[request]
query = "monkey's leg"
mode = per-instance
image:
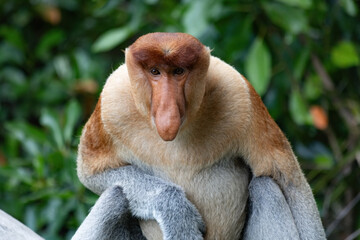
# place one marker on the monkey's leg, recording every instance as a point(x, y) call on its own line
point(304, 210)
point(150, 197)
point(269, 213)
point(110, 218)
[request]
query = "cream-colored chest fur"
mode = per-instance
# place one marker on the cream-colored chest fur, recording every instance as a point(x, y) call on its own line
point(219, 193)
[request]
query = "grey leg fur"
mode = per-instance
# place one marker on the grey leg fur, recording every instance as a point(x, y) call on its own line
point(110, 218)
point(305, 212)
point(269, 213)
point(148, 197)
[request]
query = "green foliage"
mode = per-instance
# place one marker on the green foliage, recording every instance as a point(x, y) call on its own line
point(298, 109)
point(259, 58)
point(344, 55)
point(302, 56)
point(111, 38)
point(291, 19)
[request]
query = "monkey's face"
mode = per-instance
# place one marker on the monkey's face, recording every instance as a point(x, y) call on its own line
point(172, 67)
point(168, 99)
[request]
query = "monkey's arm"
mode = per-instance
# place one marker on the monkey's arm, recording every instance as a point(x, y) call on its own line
point(270, 154)
point(148, 197)
point(269, 213)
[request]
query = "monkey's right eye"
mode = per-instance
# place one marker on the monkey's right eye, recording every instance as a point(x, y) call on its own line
point(154, 71)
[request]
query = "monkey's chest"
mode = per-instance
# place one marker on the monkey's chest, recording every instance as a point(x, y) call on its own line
point(220, 194)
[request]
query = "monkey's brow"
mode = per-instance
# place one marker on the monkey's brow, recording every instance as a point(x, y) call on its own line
point(166, 51)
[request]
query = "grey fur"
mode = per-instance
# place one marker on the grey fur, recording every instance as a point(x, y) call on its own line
point(304, 210)
point(146, 197)
point(274, 215)
point(269, 214)
point(110, 218)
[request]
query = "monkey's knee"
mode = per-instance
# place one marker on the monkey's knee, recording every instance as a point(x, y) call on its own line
point(113, 203)
point(269, 213)
point(267, 199)
point(265, 188)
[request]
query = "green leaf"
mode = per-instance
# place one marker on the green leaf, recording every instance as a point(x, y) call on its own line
point(237, 42)
point(323, 161)
point(107, 8)
point(349, 7)
point(63, 67)
point(13, 36)
point(111, 38)
point(258, 66)
point(313, 87)
point(84, 64)
point(299, 109)
point(290, 19)
point(195, 18)
point(39, 166)
point(72, 115)
point(151, 2)
point(29, 136)
point(305, 4)
point(300, 63)
point(273, 102)
point(59, 210)
point(14, 83)
point(51, 39)
point(11, 54)
point(51, 120)
point(344, 55)
point(30, 217)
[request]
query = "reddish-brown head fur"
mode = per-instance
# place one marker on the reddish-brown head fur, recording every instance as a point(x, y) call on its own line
point(167, 72)
point(173, 49)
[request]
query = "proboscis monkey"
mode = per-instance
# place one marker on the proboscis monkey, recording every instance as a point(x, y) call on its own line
point(171, 145)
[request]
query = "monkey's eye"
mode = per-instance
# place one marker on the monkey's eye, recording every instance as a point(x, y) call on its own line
point(179, 71)
point(154, 71)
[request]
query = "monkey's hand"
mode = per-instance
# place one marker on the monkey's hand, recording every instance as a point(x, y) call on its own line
point(150, 197)
point(177, 216)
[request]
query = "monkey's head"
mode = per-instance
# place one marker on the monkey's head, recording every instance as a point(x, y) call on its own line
point(168, 75)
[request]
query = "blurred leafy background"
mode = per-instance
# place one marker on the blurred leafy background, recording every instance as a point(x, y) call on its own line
point(302, 56)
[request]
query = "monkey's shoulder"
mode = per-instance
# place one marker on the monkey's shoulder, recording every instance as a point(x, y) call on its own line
point(117, 104)
point(227, 98)
point(116, 91)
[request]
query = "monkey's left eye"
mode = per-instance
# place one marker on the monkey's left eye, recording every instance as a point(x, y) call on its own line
point(179, 71)
point(154, 71)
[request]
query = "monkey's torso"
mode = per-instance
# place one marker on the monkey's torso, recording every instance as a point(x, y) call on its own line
point(219, 193)
point(215, 182)
point(188, 118)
